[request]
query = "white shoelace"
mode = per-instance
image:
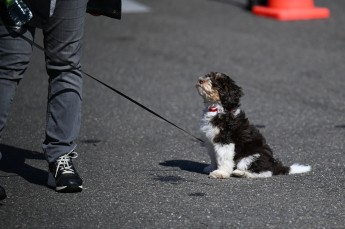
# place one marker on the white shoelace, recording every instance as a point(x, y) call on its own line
point(63, 163)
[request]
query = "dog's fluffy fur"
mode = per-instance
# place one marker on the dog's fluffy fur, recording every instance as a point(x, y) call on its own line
point(235, 146)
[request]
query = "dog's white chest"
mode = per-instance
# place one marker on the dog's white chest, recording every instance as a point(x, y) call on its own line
point(206, 126)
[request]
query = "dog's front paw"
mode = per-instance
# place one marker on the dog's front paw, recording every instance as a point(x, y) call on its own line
point(208, 169)
point(219, 174)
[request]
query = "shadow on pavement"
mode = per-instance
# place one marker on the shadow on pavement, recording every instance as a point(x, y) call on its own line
point(190, 166)
point(13, 161)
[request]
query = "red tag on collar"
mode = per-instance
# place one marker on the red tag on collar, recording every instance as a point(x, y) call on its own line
point(213, 109)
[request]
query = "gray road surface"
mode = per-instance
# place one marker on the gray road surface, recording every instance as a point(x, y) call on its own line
point(140, 172)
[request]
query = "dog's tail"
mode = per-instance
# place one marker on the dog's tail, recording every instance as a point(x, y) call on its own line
point(297, 168)
point(280, 169)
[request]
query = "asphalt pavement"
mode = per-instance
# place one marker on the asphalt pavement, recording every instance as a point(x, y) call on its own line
point(140, 172)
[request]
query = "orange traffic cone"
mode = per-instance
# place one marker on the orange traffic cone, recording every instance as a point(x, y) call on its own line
point(285, 10)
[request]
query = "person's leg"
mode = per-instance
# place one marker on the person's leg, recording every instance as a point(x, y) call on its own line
point(63, 37)
point(15, 55)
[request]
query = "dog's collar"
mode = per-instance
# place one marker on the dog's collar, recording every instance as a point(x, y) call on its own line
point(215, 108)
point(212, 108)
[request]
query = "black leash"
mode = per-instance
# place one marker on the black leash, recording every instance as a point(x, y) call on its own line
point(106, 85)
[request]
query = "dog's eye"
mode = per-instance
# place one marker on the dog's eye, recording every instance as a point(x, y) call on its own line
point(201, 81)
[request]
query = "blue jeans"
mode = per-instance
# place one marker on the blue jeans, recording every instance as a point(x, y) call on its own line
point(63, 35)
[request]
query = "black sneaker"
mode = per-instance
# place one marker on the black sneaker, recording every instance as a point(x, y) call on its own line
point(2, 193)
point(63, 176)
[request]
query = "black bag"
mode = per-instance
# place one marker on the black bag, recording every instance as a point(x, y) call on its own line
point(109, 8)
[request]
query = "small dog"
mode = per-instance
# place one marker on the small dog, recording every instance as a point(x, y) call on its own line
point(235, 146)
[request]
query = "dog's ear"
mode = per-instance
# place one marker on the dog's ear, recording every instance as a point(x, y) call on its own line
point(229, 92)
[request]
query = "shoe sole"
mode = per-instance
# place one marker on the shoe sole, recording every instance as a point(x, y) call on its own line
point(69, 189)
point(64, 189)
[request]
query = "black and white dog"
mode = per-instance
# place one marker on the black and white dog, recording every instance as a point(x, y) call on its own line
point(235, 146)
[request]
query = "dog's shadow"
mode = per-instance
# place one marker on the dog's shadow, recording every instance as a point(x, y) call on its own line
point(13, 161)
point(190, 166)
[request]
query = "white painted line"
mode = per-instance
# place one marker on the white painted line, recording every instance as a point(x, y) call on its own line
point(132, 6)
